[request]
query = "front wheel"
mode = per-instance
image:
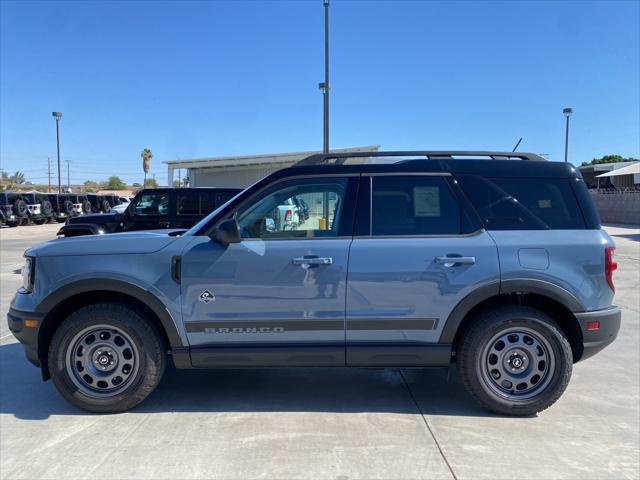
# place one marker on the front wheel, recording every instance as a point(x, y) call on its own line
point(106, 358)
point(515, 360)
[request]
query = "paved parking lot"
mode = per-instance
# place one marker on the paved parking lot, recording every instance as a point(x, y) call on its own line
point(324, 423)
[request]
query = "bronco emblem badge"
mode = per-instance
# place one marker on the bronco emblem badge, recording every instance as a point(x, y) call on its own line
point(207, 297)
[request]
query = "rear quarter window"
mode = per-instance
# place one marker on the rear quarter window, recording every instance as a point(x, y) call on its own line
point(524, 203)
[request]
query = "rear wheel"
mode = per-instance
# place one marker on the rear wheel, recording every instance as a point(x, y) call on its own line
point(106, 358)
point(515, 360)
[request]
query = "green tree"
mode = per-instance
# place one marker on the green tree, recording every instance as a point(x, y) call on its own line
point(91, 186)
point(114, 183)
point(151, 183)
point(609, 159)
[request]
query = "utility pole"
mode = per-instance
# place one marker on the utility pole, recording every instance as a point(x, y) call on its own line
point(68, 181)
point(58, 116)
point(49, 173)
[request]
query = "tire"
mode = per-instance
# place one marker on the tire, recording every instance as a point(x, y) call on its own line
point(68, 207)
point(502, 376)
point(86, 207)
point(105, 206)
point(47, 208)
point(20, 208)
point(73, 356)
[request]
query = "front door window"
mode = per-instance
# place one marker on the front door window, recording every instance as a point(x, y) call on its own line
point(295, 209)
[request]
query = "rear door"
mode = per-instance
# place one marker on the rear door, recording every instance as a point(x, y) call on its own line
point(413, 260)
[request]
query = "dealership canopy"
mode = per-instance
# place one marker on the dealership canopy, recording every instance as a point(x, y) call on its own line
point(632, 169)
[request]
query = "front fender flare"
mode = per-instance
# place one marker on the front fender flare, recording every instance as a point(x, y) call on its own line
point(117, 286)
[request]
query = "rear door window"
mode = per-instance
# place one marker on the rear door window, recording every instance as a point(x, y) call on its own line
point(523, 203)
point(414, 205)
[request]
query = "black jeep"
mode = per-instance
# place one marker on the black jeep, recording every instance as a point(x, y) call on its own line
point(99, 203)
point(153, 208)
point(14, 209)
point(62, 207)
point(39, 207)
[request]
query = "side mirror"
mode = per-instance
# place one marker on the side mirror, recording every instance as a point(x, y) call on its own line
point(227, 231)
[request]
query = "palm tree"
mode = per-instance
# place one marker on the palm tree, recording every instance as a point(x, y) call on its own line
point(146, 163)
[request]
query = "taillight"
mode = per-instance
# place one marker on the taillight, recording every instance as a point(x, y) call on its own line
point(287, 216)
point(609, 266)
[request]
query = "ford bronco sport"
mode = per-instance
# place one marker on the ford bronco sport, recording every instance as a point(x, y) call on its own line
point(495, 261)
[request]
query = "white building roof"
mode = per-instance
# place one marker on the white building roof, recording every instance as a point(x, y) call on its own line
point(256, 160)
point(632, 169)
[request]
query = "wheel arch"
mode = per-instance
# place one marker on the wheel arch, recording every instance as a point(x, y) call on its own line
point(71, 297)
point(544, 296)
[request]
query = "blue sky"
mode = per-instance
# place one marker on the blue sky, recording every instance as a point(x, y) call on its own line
point(193, 79)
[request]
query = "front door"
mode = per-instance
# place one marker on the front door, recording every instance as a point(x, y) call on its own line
point(149, 211)
point(278, 296)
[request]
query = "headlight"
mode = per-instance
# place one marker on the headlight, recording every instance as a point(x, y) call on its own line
point(28, 271)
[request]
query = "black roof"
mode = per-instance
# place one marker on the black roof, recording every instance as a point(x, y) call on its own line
point(496, 164)
point(189, 189)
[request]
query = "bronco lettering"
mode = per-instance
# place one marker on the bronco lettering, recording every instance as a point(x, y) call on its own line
point(220, 330)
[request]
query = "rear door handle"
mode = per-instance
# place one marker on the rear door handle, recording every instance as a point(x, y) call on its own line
point(312, 261)
point(452, 260)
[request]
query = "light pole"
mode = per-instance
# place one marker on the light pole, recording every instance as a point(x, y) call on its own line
point(567, 113)
point(58, 116)
point(324, 86)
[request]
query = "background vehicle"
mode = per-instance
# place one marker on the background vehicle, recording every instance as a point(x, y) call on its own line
point(99, 203)
point(151, 209)
point(14, 208)
point(81, 205)
point(498, 265)
point(61, 206)
point(40, 208)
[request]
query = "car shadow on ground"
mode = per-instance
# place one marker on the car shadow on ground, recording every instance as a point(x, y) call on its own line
point(629, 236)
point(407, 391)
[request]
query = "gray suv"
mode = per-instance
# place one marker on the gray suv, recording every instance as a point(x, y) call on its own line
point(494, 261)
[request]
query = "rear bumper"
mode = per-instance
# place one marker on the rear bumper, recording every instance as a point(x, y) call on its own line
point(596, 340)
point(28, 336)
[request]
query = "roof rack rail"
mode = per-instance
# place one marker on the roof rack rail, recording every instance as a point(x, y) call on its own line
point(340, 158)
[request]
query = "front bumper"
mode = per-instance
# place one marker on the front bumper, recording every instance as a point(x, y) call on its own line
point(27, 335)
point(596, 340)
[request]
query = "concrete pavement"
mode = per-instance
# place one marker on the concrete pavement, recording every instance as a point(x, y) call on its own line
point(324, 423)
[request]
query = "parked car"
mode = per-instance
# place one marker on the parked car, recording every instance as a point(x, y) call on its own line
point(153, 208)
point(62, 207)
point(285, 215)
point(39, 207)
point(303, 209)
point(99, 203)
point(14, 209)
point(493, 260)
point(81, 205)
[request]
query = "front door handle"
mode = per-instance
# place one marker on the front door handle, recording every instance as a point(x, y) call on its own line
point(312, 260)
point(453, 260)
